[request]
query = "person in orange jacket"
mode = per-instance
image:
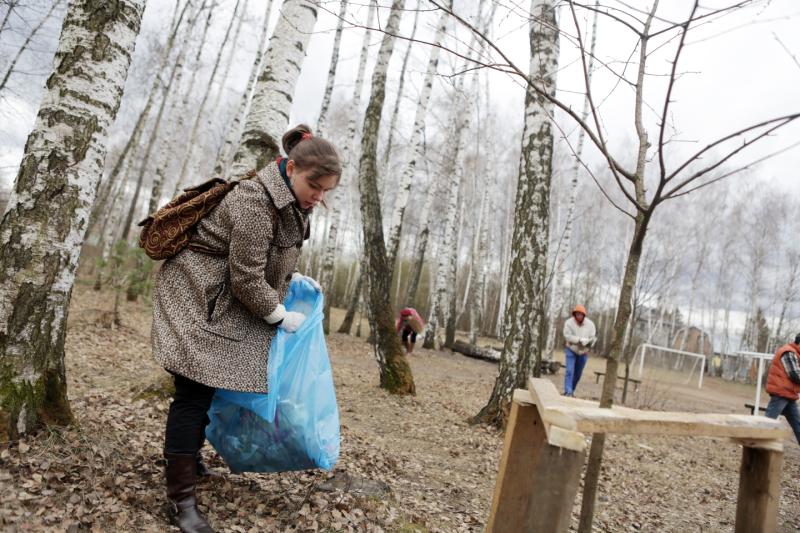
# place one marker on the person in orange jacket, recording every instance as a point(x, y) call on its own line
point(783, 385)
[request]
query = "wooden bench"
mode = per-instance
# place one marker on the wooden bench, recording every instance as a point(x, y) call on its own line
point(752, 408)
point(636, 382)
point(545, 445)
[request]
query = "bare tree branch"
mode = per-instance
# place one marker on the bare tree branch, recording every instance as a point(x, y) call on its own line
point(672, 79)
point(778, 123)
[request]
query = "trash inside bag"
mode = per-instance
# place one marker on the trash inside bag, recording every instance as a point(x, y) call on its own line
point(296, 425)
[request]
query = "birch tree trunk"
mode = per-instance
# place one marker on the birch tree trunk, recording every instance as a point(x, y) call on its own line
point(395, 374)
point(400, 84)
point(155, 191)
point(133, 140)
point(234, 130)
point(440, 300)
point(200, 112)
point(352, 307)
point(414, 151)
point(479, 271)
point(418, 261)
point(43, 228)
point(162, 156)
point(790, 290)
point(184, 110)
point(347, 167)
point(557, 300)
point(231, 54)
point(326, 97)
point(525, 314)
point(269, 112)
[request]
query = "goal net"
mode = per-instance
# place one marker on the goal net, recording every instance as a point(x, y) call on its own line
point(669, 365)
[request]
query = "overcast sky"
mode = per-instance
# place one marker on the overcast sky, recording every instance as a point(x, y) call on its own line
point(735, 70)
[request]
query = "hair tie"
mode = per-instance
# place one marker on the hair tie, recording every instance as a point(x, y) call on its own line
point(305, 136)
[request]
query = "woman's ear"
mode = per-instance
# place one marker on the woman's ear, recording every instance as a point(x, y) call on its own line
point(290, 167)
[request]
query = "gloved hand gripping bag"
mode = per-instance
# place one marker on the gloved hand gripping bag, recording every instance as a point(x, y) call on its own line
point(295, 426)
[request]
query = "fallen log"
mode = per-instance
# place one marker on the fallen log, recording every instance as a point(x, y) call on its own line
point(470, 350)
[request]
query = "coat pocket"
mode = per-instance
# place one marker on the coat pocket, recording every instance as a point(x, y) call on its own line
point(226, 317)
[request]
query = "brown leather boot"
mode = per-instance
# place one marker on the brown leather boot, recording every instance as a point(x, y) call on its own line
point(181, 482)
point(204, 473)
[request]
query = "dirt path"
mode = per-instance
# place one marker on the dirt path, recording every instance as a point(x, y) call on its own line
point(104, 474)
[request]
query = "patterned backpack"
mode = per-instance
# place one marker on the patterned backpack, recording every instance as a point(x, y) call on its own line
point(168, 230)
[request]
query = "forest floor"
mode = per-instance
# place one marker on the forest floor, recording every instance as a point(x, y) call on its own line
point(407, 463)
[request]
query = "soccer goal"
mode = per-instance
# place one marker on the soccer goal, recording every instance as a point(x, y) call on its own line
point(762, 358)
point(669, 364)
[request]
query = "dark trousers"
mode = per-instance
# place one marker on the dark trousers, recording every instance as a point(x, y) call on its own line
point(188, 417)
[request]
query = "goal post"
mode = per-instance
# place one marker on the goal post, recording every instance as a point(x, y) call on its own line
point(761, 358)
point(670, 359)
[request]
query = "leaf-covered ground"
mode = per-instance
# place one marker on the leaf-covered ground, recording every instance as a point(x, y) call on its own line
point(407, 463)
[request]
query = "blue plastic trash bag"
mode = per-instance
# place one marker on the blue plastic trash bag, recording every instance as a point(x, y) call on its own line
point(296, 425)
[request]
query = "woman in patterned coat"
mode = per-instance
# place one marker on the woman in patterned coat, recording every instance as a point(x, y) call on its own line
point(216, 312)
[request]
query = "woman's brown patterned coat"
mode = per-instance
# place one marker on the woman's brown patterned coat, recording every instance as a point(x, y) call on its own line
point(208, 313)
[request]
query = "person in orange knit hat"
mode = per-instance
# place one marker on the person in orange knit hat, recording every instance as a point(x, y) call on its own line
point(783, 385)
point(579, 335)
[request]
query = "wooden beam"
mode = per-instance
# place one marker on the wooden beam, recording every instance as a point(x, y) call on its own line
point(560, 437)
point(537, 482)
point(759, 490)
point(587, 417)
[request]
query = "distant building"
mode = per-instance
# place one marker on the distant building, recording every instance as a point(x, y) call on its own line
point(693, 339)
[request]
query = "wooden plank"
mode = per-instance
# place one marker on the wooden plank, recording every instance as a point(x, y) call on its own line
point(759, 490)
point(635, 422)
point(537, 482)
point(769, 444)
point(560, 437)
point(587, 417)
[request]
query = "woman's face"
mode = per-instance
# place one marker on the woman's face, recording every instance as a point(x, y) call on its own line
point(308, 192)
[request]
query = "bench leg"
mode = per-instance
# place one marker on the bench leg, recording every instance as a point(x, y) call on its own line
point(537, 482)
point(759, 490)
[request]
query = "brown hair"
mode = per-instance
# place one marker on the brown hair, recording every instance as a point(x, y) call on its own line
point(311, 153)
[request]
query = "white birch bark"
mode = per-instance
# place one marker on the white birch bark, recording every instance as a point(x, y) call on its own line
point(184, 110)
point(269, 112)
point(557, 299)
point(348, 166)
point(334, 64)
point(163, 155)
point(414, 151)
point(155, 191)
point(441, 291)
point(234, 130)
point(400, 84)
point(525, 314)
point(43, 228)
point(199, 113)
point(229, 59)
point(132, 143)
point(479, 291)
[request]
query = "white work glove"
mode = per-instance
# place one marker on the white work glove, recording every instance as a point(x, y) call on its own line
point(583, 341)
point(297, 276)
point(292, 321)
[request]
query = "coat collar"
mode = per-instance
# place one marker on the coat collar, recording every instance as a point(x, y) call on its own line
point(270, 177)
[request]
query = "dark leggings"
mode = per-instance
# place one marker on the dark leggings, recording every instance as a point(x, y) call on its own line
point(188, 417)
point(407, 332)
